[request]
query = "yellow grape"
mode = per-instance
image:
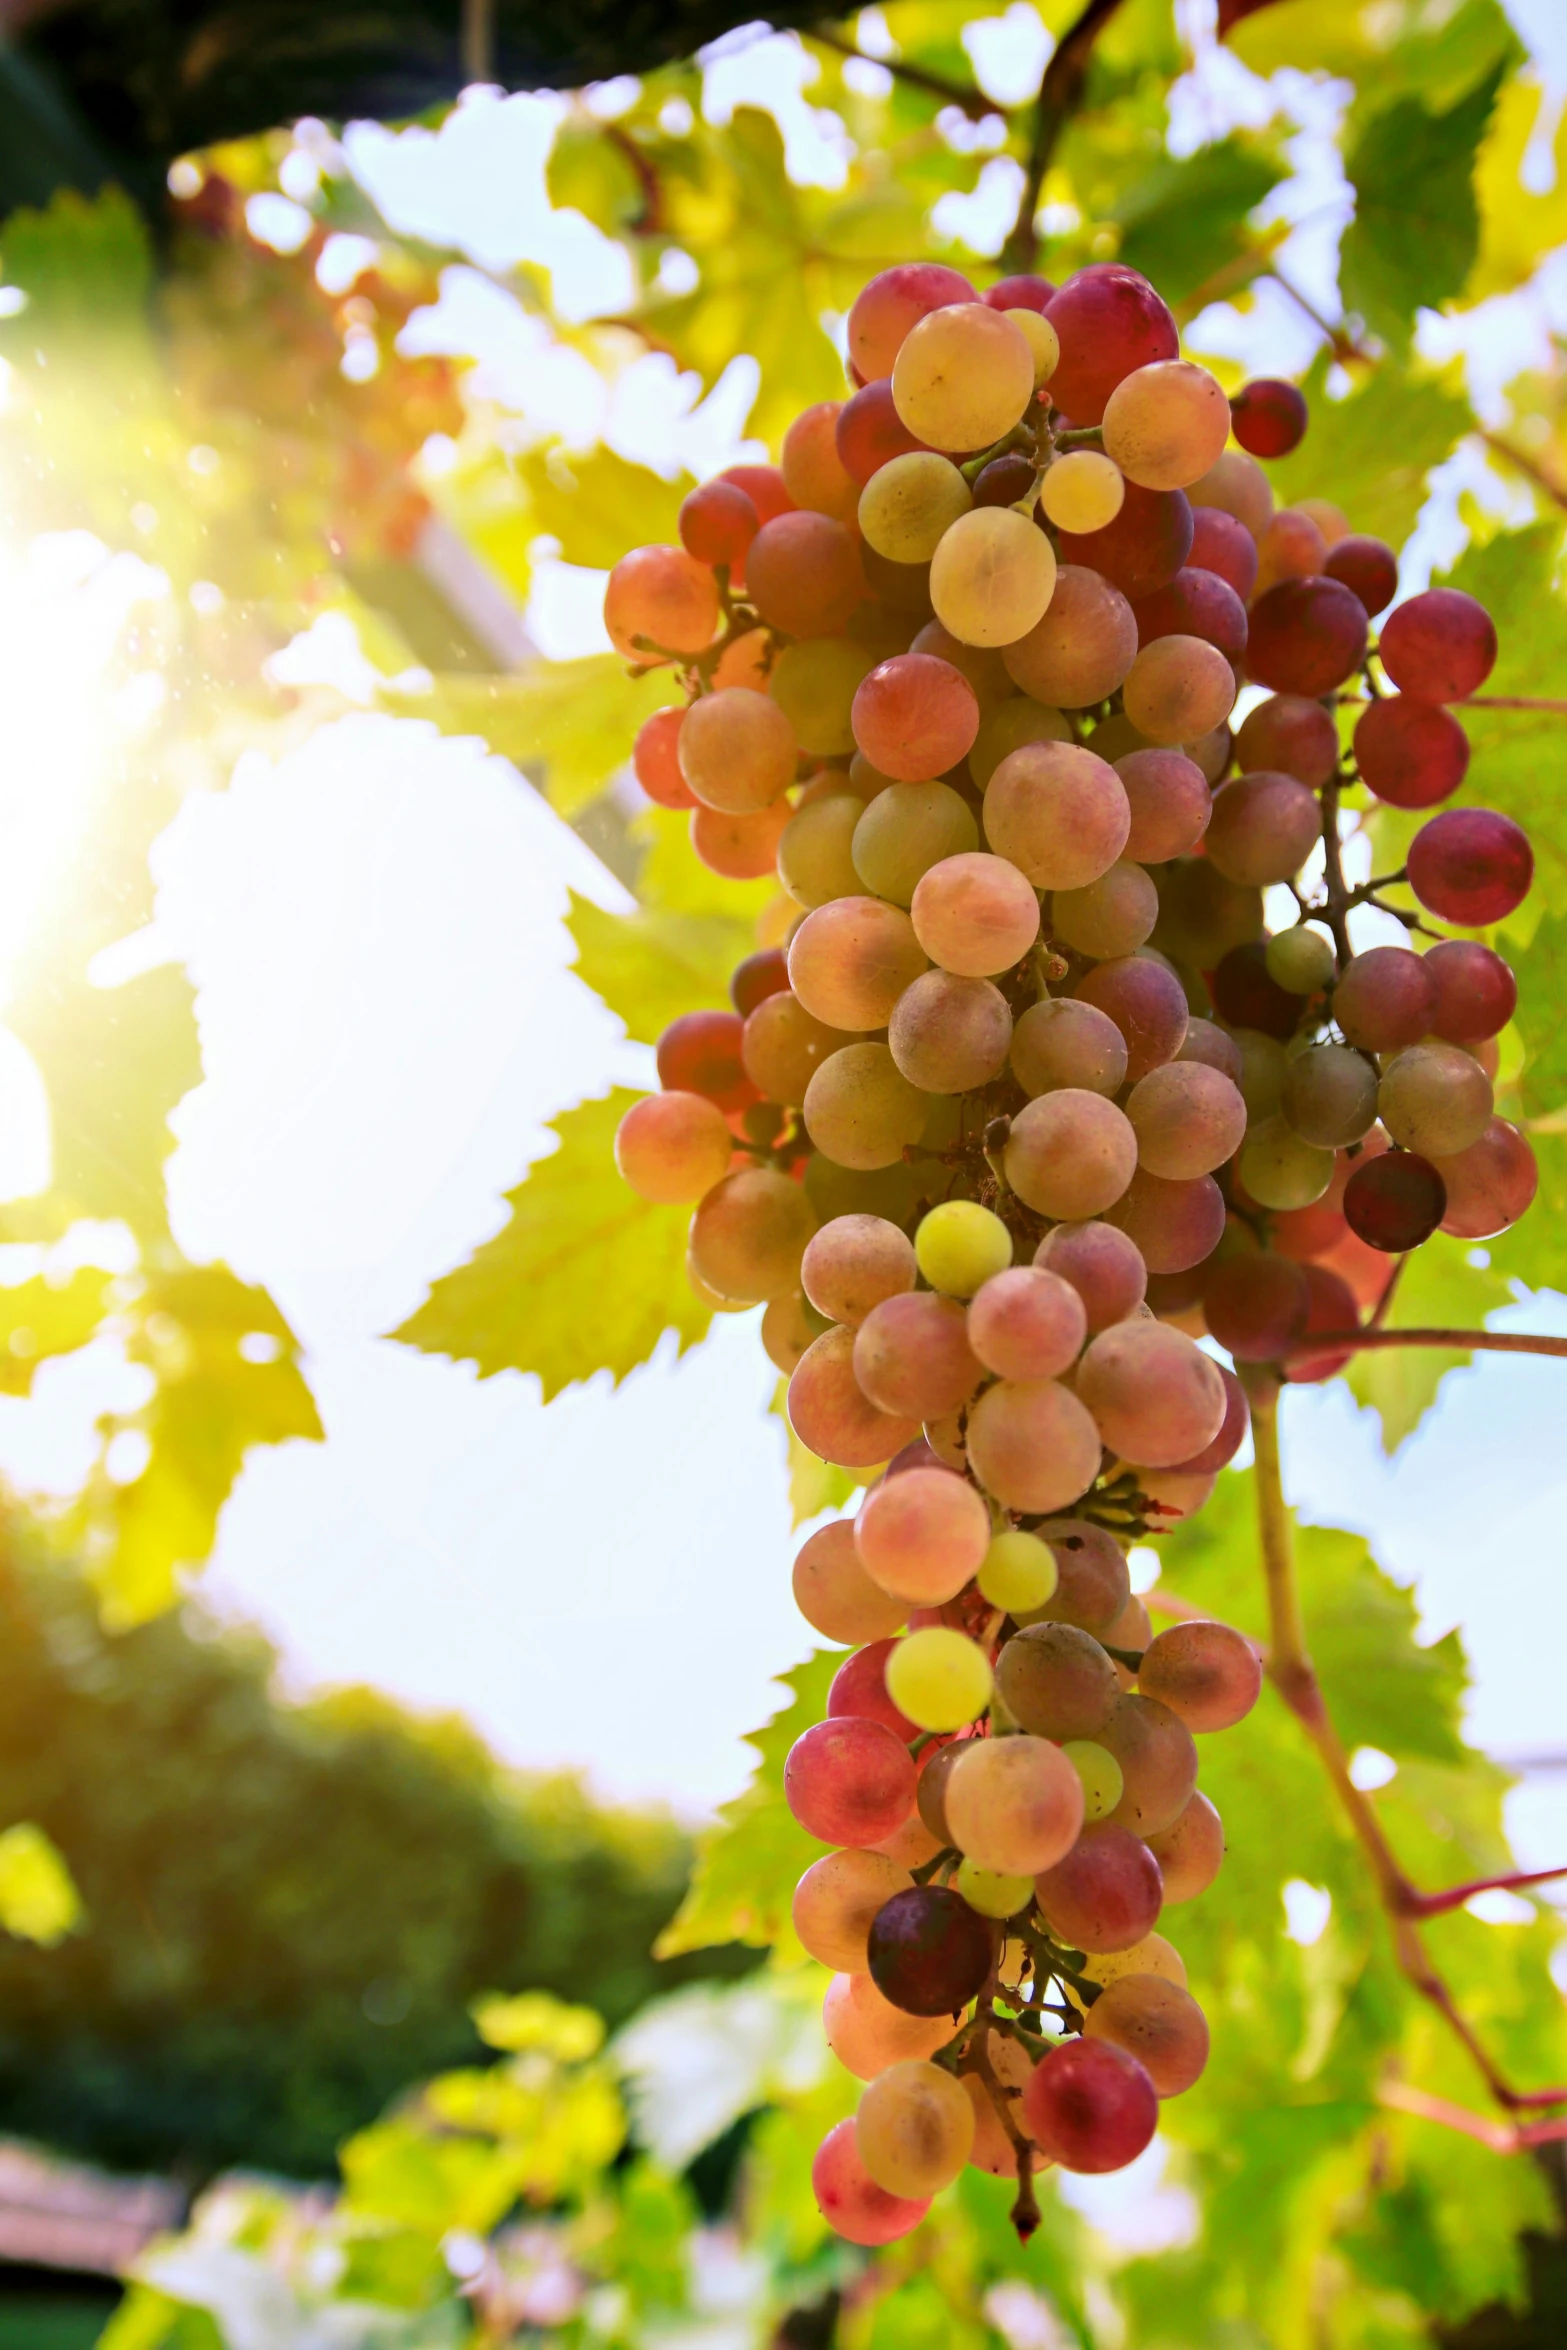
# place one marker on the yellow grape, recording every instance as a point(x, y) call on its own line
point(992, 1895)
point(1108, 917)
point(1042, 340)
point(939, 1678)
point(1099, 1772)
point(963, 377)
point(1014, 1805)
point(814, 684)
point(1152, 1956)
point(1018, 1571)
point(1178, 688)
point(905, 830)
point(816, 853)
point(860, 1110)
point(959, 1245)
point(914, 2129)
point(1082, 491)
point(1018, 721)
point(1166, 424)
point(993, 575)
point(910, 503)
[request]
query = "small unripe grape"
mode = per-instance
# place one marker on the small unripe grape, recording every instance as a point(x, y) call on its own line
point(1301, 960)
point(1435, 1099)
point(835, 1901)
point(1014, 1805)
point(963, 377)
point(1032, 1444)
point(960, 1246)
point(1329, 1096)
point(1008, 727)
point(1178, 688)
point(1041, 339)
point(1166, 424)
point(939, 1678)
point(907, 829)
point(1100, 1774)
point(906, 508)
point(992, 1895)
point(1111, 916)
point(1062, 1042)
point(1282, 1170)
point(992, 577)
point(1018, 1571)
point(673, 1147)
point(1082, 491)
point(915, 2129)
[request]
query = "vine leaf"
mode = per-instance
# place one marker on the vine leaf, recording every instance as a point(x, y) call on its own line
point(1440, 1288)
point(1416, 230)
point(583, 1276)
point(1371, 451)
point(650, 967)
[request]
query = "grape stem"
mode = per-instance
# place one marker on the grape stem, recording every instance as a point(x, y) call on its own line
point(1501, 2137)
point(1292, 1673)
point(966, 95)
point(1059, 94)
point(1024, 2214)
point(1501, 1342)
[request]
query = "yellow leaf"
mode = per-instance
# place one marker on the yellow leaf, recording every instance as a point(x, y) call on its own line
point(1517, 228)
point(38, 1897)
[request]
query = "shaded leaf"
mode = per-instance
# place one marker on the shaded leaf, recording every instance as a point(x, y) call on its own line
point(1371, 452)
point(584, 1276)
point(1416, 230)
point(1185, 223)
point(1542, 991)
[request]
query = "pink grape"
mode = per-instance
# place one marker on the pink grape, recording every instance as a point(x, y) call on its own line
point(1110, 321)
point(835, 1594)
point(1214, 1047)
point(1090, 2106)
point(1170, 802)
point(850, 960)
point(1174, 1225)
point(1255, 1305)
point(1368, 568)
point(853, 1263)
point(831, 1416)
point(764, 485)
point(1188, 1119)
point(1269, 417)
point(655, 760)
point(1013, 1805)
point(1155, 1397)
point(867, 2033)
point(1102, 1264)
point(1231, 1436)
point(1490, 1184)
point(813, 471)
point(1022, 292)
point(1440, 645)
point(912, 1356)
point(922, 1535)
point(870, 432)
point(749, 1234)
point(1058, 813)
point(1190, 1851)
point(1470, 865)
point(1196, 603)
point(803, 574)
point(1262, 829)
point(1158, 2023)
point(849, 1781)
point(915, 716)
point(1061, 1042)
point(974, 914)
point(673, 1147)
point(1411, 753)
point(660, 596)
point(1032, 1444)
point(1105, 1895)
point(1206, 1673)
point(948, 1034)
point(1027, 1323)
point(1093, 1586)
point(1143, 548)
point(701, 1053)
point(1081, 647)
point(849, 2199)
point(1146, 1002)
point(893, 302)
point(1070, 1154)
point(1385, 999)
point(1222, 544)
point(1292, 733)
point(1158, 1762)
point(1331, 1307)
point(718, 523)
point(1475, 994)
point(1306, 636)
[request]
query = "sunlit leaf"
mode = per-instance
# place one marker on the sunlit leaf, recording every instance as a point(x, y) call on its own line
point(652, 966)
point(570, 722)
point(1439, 1288)
point(38, 1897)
point(1370, 452)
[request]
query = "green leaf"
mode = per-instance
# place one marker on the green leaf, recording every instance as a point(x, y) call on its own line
point(85, 264)
point(38, 1897)
point(599, 505)
point(212, 1402)
point(115, 1062)
point(584, 1276)
point(1438, 1289)
point(1416, 230)
point(1185, 223)
point(814, 1485)
point(1542, 991)
point(590, 171)
point(42, 1317)
point(537, 2020)
point(1371, 451)
point(747, 1866)
point(572, 723)
point(650, 967)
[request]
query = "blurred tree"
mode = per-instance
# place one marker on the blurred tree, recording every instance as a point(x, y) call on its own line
point(287, 1907)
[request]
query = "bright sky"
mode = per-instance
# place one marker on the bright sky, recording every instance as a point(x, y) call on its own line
point(389, 1020)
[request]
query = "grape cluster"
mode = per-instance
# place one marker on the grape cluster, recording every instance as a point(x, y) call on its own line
point(1019, 1099)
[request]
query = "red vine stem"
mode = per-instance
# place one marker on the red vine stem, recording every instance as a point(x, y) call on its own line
point(1059, 93)
point(1497, 1342)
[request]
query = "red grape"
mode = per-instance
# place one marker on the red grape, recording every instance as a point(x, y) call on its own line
point(1206, 1673)
point(1291, 733)
point(851, 2203)
point(1223, 545)
point(803, 574)
point(1023, 292)
point(1105, 1895)
point(859, 1690)
point(915, 716)
point(1110, 321)
point(912, 1356)
point(700, 1053)
point(1384, 999)
point(1170, 802)
point(1148, 1005)
point(1231, 1436)
point(1441, 645)
point(1246, 994)
point(756, 978)
point(1263, 828)
point(718, 523)
point(929, 1952)
point(1306, 636)
point(1475, 993)
point(1196, 603)
point(849, 1781)
point(1255, 1304)
point(1394, 1202)
point(1490, 1184)
point(1143, 548)
point(764, 485)
point(1175, 1224)
point(1090, 2106)
point(655, 760)
point(1103, 1266)
point(1368, 568)
point(1005, 481)
point(1269, 417)
point(830, 1414)
point(870, 431)
point(893, 303)
point(1471, 865)
point(1410, 753)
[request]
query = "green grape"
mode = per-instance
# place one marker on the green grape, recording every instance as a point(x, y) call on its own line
point(1279, 1169)
point(1017, 721)
point(814, 684)
point(939, 1678)
point(959, 1245)
point(1042, 340)
point(1264, 1067)
point(1100, 1773)
point(908, 505)
point(992, 577)
point(1301, 960)
point(861, 1110)
point(1108, 917)
point(1018, 1571)
point(904, 831)
point(816, 852)
point(992, 1895)
point(1330, 1095)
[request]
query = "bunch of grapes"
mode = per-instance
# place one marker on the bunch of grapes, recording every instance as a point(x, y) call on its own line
point(1019, 1099)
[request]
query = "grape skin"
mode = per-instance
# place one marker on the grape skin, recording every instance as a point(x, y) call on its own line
point(921, 1536)
point(1092, 1586)
point(1292, 733)
point(1190, 1852)
point(816, 850)
point(852, 1263)
point(850, 2200)
point(1206, 1673)
point(1435, 1098)
point(1170, 803)
point(830, 1414)
point(974, 914)
point(835, 1594)
point(914, 2129)
point(1178, 688)
point(1014, 1805)
point(1007, 728)
point(1105, 1894)
point(1032, 1444)
point(1166, 424)
point(835, 1901)
point(1157, 2022)
point(860, 1108)
point(1155, 1397)
point(1148, 1005)
point(963, 376)
point(1091, 2106)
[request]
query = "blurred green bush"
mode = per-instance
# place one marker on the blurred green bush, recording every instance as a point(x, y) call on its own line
point(288, 1906)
